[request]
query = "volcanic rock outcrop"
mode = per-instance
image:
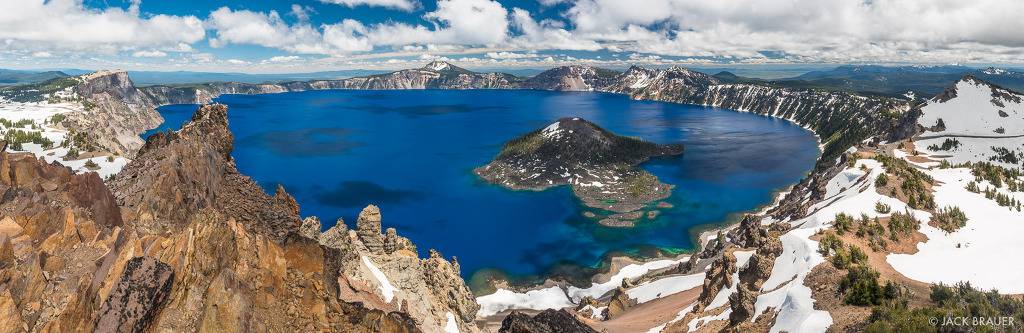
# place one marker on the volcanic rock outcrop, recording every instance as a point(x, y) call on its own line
point(599, 165)
point(548, 321)
point(186, 243)
point(115, 112)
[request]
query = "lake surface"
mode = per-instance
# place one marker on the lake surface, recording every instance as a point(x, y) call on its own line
point(412, 153)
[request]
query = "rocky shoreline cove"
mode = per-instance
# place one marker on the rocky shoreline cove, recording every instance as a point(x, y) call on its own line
point(601, 168)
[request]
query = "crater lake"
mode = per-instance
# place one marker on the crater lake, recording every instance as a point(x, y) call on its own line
point(412, 152)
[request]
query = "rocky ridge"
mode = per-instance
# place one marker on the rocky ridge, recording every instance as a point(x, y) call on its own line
point(116, 111)
point(599, 165)
point(203, 248)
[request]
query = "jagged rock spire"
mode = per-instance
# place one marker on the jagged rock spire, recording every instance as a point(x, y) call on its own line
point(368, 229)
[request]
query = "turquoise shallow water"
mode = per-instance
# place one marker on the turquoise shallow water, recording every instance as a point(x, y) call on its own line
point(412, 153)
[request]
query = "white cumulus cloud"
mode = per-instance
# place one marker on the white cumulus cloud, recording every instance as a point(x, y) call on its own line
point(149, 54)
point(68, 24)
point(406, 5)
point(284, 59)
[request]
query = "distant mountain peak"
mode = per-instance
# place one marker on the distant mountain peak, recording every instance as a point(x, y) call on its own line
point(439, 65)
point(999, 96)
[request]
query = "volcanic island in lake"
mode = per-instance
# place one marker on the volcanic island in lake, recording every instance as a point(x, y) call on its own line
point(600, 166)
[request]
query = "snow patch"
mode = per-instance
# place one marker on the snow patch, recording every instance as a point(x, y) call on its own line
point(663, 287)
point(980, 252)
point(451, 326)
point(630, 271)
point(556, 298)
point(541, 299)
point(386, 289)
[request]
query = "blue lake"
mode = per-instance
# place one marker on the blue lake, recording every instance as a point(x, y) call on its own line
point(412, 153)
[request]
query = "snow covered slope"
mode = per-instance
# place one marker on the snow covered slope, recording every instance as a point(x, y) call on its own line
point(974, 121)
point(972, 107)
point(41, 117)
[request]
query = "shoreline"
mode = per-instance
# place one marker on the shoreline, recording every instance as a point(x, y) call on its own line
point(613, 266)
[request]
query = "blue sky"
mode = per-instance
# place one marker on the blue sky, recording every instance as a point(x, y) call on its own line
point(263, 36)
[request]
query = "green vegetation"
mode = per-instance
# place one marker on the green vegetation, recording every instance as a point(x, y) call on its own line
point(947, 145)
point(843, 223)
point(829, 243)
point(950, 219)
point(902, 224)
point(16, 124)
point(1006, 156)
point(861, 288)
point(973, 187)
point(873, 230)
point(16, 138)
point(996, 175)
point(639, 185)
point(1002, 199)
point(841, 255)
point(959, 300)
point(39, 92)
point(860, 285)
point(57, 118)
point(913, 182)
point(882, 208)
point(845, 258)
point(944, 164)
point(80, 140)
point(522, 145)
point(882, 180)
point(89, 164)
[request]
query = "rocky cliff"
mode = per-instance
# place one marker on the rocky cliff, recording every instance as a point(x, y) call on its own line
point(435, 75)
point(181, 241)
point(571, 78)
point(114, 113)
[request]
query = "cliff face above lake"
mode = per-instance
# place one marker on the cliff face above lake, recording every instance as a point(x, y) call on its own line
point(599, 165)
point(181, 241)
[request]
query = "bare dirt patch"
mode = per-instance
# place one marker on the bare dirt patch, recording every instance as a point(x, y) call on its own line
point(824, 283)
point(648, 315)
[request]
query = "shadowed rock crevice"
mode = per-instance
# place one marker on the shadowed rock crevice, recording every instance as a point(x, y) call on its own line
point(141, 292)
point(548, 321)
